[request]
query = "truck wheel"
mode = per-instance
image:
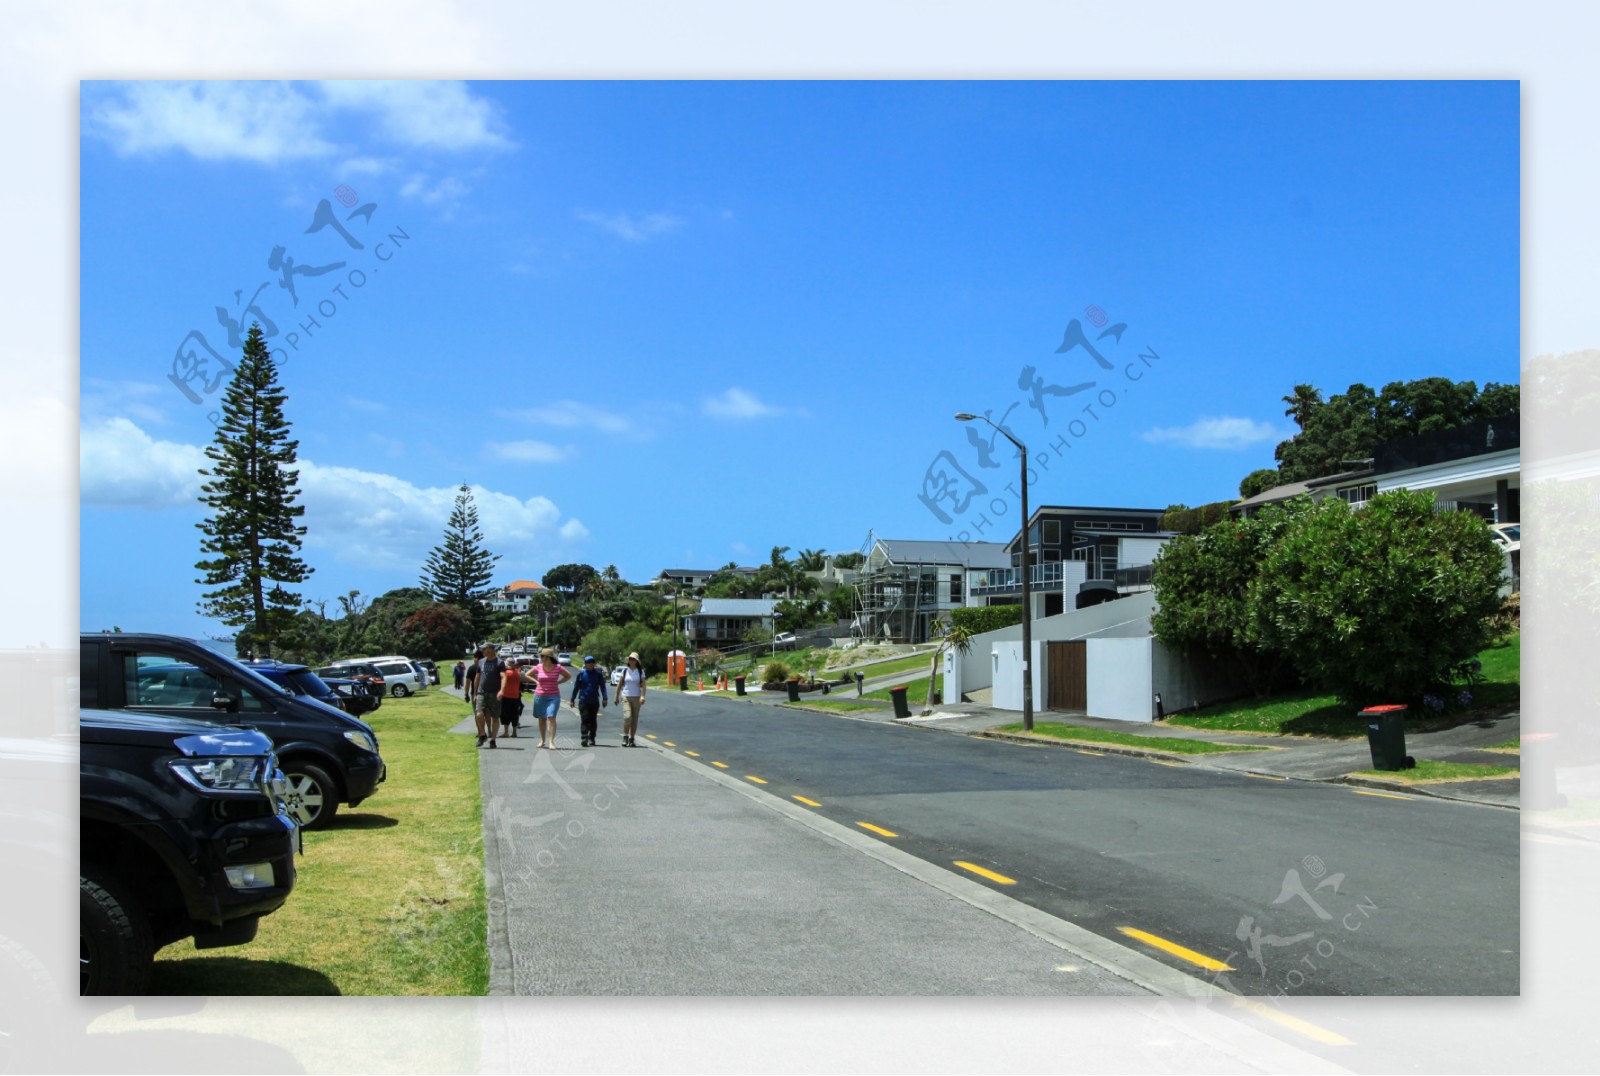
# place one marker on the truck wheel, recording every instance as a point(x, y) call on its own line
point(313, 797)
point(400, 691)
point(115, 950)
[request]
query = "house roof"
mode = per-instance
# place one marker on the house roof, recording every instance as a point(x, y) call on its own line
point(689, 571)
point(966, 554)
point(754, 607)
point(524, 584)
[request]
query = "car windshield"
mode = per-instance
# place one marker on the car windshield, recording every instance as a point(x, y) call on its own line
point(1512, 531)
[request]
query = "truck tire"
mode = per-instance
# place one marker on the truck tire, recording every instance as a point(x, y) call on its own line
point(313, 795)
point(115, 950)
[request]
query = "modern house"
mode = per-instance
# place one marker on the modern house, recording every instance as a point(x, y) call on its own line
point(905, 586)
point(695, 578)
point(513, 597)
point(1355, 487)
point(1075, 556)
point(722, 622)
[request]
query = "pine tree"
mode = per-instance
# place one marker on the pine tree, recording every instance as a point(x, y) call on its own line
point(251, 532)
point(459, 568)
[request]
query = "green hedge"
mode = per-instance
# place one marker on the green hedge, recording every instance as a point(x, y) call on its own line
point(1194, 520)
point(981, 618)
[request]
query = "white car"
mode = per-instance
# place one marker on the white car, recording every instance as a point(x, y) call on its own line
point(1509, 535)
point(616, 674)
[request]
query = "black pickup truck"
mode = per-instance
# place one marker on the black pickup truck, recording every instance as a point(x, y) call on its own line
point(183, 833)
point(328, 756)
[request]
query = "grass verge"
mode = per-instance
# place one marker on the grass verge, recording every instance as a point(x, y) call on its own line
point(1173, 744)
point(1508, 745)
point(1427, 772)
point(916, 692)
point(390, 898)
point(844, 705)
point(1308, 713)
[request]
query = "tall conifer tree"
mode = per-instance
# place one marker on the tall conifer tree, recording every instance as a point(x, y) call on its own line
point(251, 534)
point(459, 569)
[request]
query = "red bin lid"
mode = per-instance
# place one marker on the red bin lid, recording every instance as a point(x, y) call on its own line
point(1383, 709)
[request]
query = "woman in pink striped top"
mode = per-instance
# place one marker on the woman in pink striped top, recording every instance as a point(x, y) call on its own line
point(548, 676)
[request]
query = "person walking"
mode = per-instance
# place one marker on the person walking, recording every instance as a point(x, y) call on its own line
point(459, 672)
point(510, 701)
point(548, 676)
point(630, 692)
point(588, 695)
point(485, 696)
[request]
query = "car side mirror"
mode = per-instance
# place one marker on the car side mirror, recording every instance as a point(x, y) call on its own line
point(221, 700)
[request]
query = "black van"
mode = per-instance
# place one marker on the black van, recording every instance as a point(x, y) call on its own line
point(328, 756)
point(183, 833)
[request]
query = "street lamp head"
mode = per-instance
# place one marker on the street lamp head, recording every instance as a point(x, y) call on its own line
point(962, 416)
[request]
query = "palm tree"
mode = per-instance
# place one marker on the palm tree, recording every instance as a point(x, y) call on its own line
point(810, 560)
point(949, 637)
point(1304, 400)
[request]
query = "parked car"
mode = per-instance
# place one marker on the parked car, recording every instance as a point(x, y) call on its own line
point(1509, 535)
point(363, 672)
point(400, 676)
point(297, 678)
point(563, 658)
point(422, 675)
point(616, 674)
point(184, 832)
point(433, 670)
point(329, 757)
point(353, 697)
point(784, 640)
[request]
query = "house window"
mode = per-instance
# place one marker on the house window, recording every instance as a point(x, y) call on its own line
point(1052, 532)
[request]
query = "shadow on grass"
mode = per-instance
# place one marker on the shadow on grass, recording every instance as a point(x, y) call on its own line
point(237, 976)
point(1333, 721)
point(345, 820)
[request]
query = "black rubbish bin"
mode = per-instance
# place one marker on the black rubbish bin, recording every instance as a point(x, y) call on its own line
point(794, 689)
point(738, 685)
point(683, 682)
point(901, 707)
point(1386, 737)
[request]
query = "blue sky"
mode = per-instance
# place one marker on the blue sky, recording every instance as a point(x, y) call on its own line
point(675, 324)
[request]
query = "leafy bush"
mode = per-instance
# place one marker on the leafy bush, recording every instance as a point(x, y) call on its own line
point(775, 672)
point(977, 619)
point(1186, 520)
point(1379, 604)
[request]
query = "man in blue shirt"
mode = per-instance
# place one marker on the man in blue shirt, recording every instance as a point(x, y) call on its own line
point(588, 695)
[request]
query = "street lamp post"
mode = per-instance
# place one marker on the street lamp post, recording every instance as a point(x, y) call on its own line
point(775, 618)
point(1027, 602)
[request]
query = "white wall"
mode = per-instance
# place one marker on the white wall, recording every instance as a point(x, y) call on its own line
point(1119, 679)
point(1005, 669)
point(1127, 615)
point(1137, 552)
point(1185, 682)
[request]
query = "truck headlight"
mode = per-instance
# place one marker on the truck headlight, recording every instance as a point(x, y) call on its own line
point(233, 773)
point(362, 740)
point(251, 876)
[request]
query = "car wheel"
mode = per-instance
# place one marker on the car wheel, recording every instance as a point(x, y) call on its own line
point(313, 798)
point(115, 950)
point(400, 691)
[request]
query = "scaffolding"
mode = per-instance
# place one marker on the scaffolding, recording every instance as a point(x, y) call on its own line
point(891, 598)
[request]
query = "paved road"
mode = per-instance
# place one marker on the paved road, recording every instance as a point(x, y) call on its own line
point(1185, 854)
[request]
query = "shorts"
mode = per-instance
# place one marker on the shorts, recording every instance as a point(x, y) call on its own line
point(510, 709)
point(546, 706)
point(633, 702)
point(489, 705)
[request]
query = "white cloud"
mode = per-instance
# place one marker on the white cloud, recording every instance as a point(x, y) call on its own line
point(432, 115)
point(276, 121)
point(366, 166)
point(527, 451)
point(1224, 433)
point(363, 517)
point(573, 415)
point(446, 192)
point(121, 466)
point(736, 403)
point(635, 229)
point(253, 121)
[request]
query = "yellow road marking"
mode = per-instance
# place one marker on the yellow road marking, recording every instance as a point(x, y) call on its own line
point(808, 803)
point(1096, 754)
point(649, 735)
point(757, 780)
point(1198, 959)
point(692, 754)
point(1385, 795)
point(669, 743)
point(985, 872)
point(877, 829)
point(720, 765)
point(1283, 1019)
point(1265, 777)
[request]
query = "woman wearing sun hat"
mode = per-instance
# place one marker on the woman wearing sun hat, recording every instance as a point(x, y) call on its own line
point(630, 692)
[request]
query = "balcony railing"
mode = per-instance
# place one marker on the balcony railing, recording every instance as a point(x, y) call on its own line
point(1005, 580)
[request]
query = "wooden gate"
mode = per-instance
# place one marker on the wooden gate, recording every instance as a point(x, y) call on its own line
point(1066, 675)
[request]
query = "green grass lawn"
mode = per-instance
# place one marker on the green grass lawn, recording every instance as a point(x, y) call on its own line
point(1173, 744)
point(1427, 772)
point(916, 692)
point(897, 665)
point(1508, 745)
point(390, 898)
point(1309, 713)
point(841, 705)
